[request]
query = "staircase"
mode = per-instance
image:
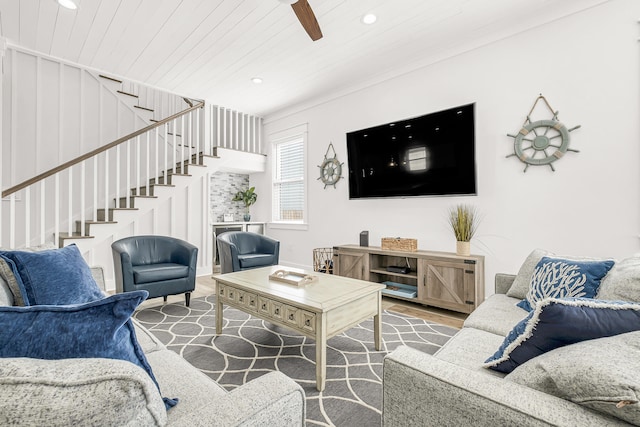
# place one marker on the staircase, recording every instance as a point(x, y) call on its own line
point(155, 180)
point(122, 188)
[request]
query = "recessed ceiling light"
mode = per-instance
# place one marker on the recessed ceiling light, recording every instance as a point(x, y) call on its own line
point(256, 80)
point(69, 4)
point(369, 18)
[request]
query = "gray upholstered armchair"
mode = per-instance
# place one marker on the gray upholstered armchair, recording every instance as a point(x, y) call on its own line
point(241, 250)
point(160, 265)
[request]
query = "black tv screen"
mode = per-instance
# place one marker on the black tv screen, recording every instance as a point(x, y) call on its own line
point(430, 155)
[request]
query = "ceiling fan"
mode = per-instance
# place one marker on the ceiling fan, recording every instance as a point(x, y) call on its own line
point(306, 17)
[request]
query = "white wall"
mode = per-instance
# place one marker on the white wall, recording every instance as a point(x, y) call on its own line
point(586, 65)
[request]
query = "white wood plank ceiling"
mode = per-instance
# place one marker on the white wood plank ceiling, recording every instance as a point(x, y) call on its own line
point(210, 49)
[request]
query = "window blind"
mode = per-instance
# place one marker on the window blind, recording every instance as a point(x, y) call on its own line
point(288, 183)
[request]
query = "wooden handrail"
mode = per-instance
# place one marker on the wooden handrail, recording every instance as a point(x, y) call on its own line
point(95, 152)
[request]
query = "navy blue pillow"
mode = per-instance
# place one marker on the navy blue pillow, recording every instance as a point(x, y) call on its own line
point(563, 278)
point(563, 321)
point(55, 276)
point(100, 328)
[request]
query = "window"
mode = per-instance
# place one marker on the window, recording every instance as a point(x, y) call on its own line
point(289, 186)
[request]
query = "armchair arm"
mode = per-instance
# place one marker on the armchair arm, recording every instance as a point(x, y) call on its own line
point(123, 269)
point(270, 400)
point(228, 253)
point(419, 387)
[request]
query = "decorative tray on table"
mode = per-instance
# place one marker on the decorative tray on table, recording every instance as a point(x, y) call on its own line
point(292, 278)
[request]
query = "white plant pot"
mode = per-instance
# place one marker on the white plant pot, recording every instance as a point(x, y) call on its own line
point(463, 248)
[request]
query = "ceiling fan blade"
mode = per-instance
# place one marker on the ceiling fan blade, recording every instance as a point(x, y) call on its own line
point(307, 19)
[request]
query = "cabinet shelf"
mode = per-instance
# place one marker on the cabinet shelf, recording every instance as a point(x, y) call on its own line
point(391, 273)
point(399, 290)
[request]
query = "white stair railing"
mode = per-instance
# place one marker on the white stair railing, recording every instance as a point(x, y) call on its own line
point(99, 181)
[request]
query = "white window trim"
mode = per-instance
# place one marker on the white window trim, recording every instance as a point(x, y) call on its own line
point(283, 136)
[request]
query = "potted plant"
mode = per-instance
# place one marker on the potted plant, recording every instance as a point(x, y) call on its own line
point(248, 197)
point(464, 222)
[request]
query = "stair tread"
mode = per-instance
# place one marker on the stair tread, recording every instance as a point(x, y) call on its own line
point(127, 93)
point(74, 235)
point(101, 222)
point(109, 78)
point(143, 108)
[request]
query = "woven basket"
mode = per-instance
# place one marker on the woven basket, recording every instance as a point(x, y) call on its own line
point(398, 244)
point(323, 260)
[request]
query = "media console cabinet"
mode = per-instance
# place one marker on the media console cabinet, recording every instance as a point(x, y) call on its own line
point(438, 279)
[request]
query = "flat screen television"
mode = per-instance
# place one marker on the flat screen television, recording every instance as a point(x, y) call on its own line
point(430, 155)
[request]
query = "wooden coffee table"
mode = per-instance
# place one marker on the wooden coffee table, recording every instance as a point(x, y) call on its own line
point(319, 310)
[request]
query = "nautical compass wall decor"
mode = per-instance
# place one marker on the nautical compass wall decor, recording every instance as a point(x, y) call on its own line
point(541, 142)
point(331, 168)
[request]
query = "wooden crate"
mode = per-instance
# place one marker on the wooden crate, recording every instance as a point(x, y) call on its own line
point(399, 244)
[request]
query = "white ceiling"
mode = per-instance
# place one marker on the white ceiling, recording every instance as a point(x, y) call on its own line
point(210, 49)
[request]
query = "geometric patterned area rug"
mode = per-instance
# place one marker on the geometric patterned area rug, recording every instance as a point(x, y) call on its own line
point(250, 347)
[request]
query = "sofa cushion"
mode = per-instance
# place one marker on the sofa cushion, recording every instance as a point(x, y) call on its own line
point(559, 322)
point(13, 282)
point(6, 296)
point(498, 314)
point(563, 278)
point(100, 328)
point(469, 348)
point(622, 283)
point(608, 380)
point(520, 285)
point(95, 391)
point(150, 273)
point(55, 276)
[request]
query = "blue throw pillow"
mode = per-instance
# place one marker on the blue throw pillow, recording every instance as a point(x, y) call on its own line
point(559, 322)
point(562, 278)
point(101, 328)
point(55, 276)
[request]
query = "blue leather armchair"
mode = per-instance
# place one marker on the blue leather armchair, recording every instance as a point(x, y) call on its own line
point(240, 250)
point(160, 265)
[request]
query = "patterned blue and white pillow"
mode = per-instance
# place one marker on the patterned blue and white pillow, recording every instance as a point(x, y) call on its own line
point(563, 278)
point(557, 322)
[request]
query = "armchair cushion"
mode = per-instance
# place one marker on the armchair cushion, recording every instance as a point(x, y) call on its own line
point(158, 272)
point(256, 260)
point(55, 276)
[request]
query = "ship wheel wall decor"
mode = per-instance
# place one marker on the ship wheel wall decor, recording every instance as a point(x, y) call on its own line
point(541, 142)
point(331, 168)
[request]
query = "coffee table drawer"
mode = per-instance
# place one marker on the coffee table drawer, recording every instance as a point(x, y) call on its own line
point(264, 306)
point(291, 316)
point(276, 310)
point(307, 321)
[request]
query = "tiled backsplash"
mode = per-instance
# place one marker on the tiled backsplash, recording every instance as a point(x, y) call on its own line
point(223, 187)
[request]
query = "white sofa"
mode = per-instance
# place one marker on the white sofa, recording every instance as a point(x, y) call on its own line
point(452, 388)
point(110, 392)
